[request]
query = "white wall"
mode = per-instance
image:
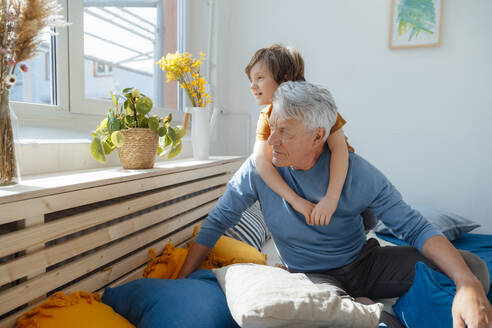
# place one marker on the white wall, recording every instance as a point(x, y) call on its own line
point(422, 116)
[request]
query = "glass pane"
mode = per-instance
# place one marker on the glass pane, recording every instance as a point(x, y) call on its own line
point(122, 44)
point(35, 85)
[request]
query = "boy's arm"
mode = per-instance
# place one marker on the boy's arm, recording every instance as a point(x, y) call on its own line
point(323, 211)
point(263, 161)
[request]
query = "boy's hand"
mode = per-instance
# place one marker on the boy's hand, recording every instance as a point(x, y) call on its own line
point(304, 207)
point(322, 212)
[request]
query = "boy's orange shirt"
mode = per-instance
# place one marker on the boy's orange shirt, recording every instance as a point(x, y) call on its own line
point(263, 127)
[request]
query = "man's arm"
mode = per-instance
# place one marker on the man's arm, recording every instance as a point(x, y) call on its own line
point(239, 195)
point(470, 304)
point(196, 255)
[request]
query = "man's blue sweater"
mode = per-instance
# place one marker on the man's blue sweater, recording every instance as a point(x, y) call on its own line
point(305, 248)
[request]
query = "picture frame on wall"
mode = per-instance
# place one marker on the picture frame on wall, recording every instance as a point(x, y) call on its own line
point(415, 23)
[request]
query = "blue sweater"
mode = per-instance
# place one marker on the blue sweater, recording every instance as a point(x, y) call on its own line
point(305, 248)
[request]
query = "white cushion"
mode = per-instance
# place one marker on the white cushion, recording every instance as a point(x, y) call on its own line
point(264, 296)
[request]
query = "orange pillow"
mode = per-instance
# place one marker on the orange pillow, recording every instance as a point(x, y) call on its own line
point(234, 251)
point(226, 251)
point(77, 310)
point(168, 265)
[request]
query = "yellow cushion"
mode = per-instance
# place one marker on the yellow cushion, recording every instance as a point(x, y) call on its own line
point(234, 251)
point(168, 265)
point(77, 310)
point(226, 251)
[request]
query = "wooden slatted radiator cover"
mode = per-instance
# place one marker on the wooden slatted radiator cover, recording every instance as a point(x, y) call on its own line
point(91, 229)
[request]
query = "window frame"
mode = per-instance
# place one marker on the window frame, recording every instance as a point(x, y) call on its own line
point(72, 105)
point(79, 103)
point(30, 110)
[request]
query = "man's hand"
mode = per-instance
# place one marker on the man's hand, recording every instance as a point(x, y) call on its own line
point(471, 307)
point(322, 212)
point(304, 207)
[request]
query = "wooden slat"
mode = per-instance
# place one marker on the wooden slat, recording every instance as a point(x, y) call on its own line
point(23, 293)
point(97, 281)
point(33, 262)
point(19, 210)
point(37, 220)
point(22, 239)
point(50, 184)
point(130, 268)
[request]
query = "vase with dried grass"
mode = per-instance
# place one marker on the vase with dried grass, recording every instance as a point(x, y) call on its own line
point(22, 24)
point(9, 168)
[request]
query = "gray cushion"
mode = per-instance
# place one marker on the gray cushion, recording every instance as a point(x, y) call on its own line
point(251, 229)
point(450, 224)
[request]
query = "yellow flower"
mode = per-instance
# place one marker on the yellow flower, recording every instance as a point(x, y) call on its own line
point(185, 69)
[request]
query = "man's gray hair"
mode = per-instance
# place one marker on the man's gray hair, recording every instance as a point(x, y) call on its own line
point(311, 104)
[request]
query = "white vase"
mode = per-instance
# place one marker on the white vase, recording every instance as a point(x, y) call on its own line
point(200, 132)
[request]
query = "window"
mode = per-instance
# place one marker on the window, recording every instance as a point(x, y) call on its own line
point(101, 69)
point(120, 42)
point(110, 45)
point(37, 85)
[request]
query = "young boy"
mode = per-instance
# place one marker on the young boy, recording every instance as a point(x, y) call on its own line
point(268, 68)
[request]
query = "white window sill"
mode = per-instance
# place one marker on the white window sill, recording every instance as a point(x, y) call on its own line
point(41, 156)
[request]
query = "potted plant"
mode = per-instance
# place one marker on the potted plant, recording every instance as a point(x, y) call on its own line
point(137, 135)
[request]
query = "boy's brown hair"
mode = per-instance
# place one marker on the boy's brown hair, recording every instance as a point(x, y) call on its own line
point(285, 63)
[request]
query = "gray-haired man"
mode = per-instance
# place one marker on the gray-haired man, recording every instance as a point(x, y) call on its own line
point(302, 115)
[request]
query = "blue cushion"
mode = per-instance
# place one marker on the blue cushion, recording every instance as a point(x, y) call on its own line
point(197, 301)
point(428, 301)
point(451, 225)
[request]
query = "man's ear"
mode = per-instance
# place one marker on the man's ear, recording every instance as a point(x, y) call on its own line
point(319, 136)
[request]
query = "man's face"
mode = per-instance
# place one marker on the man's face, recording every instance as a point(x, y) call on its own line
point(292, 143)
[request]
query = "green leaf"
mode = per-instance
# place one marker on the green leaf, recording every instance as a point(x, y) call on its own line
point(104, 123)
point(97, 150)
point(162, 131)
point(181, 131)
point(129, 120)
point(127, 107)
point(113, 124)
point(127, 90)
point(118, 138)
point(107, 148)
point(154, 123)
point(172, 134)
point(115, 100)
point(143, 105)
point(167, 141)
point(175, 150)
point(168, 118)
point(143, 122)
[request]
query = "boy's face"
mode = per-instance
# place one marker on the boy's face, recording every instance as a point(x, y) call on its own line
point(263, 85)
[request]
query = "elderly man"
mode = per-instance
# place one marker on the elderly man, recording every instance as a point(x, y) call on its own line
point(302, 115)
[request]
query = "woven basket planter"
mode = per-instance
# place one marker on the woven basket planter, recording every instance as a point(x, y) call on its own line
point(140, 148)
